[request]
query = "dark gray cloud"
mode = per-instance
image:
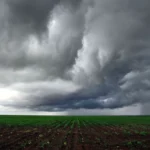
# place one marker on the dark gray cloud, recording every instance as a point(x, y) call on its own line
point(64, 55)
point(34, 15)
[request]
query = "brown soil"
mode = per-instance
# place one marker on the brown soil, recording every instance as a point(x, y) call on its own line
point(84, 138)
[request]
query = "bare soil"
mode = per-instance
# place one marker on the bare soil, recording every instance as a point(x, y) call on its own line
point(78, 138)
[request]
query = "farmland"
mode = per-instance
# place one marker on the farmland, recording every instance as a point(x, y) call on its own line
point(74, 132)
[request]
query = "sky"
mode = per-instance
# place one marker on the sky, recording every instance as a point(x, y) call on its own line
point(75, 57)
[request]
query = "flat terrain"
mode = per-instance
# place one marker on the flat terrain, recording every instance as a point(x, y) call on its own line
point(74, 132)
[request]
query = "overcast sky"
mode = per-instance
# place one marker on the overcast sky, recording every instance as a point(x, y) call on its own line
point(75, 57)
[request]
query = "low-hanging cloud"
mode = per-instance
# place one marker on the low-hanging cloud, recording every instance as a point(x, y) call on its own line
point(83, 54)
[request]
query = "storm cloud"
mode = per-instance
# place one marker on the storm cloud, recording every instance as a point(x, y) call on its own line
point(74, 54)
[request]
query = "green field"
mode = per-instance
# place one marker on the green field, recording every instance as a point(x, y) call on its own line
point(8, 120)
point(74, 132)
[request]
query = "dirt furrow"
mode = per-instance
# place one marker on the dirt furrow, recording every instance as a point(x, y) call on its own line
point(75, 136)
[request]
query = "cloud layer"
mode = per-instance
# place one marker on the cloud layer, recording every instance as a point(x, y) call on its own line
point(74, 54)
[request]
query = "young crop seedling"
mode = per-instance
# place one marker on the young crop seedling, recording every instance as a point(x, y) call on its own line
point(44, 143)
point(134, 143)
point(29, 142)
point(40, 135)
point(105, 144)
point(126, 132)
point(116, 133)
point(139, 142)
point(82, 139)
point(143, 133)
point(24, 144)
point(136, 132)
point(129, 144)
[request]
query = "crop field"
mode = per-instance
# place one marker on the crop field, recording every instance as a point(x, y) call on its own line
point(74, 132)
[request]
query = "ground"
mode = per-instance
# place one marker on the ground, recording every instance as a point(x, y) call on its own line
point(75, 137)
